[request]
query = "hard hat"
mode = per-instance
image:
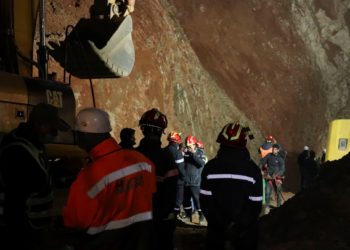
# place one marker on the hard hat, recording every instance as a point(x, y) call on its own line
point(306, 148)
point(93, 120)
point(190, 140)
point(269, 138)
point(200, 144)
point(153, 118)
point(174, 136)
point(234, 135)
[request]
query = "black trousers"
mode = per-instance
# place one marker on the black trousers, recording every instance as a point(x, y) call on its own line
point(179, 195)
point(191, 192)
point(219, 236)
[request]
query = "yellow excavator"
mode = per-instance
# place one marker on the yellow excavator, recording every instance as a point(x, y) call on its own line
point(104, 38)
point(338, 140)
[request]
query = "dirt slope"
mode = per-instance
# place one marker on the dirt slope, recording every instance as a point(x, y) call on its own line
point(280, 66)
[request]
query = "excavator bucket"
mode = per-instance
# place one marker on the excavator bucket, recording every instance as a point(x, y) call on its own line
point(97, 48)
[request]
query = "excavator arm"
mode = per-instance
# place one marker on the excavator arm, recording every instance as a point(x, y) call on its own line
point(103, 42)
point(98, 47)
point(17, 28)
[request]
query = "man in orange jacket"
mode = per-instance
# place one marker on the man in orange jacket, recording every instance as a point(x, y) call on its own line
point(111, 199)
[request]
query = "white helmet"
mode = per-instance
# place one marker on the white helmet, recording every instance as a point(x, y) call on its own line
point(306, 148)
point(93, 120)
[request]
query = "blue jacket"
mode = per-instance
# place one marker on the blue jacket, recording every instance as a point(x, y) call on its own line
point(275, 165)
point(178, 158)
point(194, 164)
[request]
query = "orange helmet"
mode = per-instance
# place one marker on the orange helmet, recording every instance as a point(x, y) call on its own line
point(154, 118)
point(174, 136)
point(234, 135)
point(190, 140)
point(200, 144)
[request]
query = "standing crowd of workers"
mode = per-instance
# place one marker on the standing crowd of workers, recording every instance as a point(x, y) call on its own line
point(129, 197)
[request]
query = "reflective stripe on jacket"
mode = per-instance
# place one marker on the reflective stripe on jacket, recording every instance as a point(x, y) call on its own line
point(231, 188)
point(114, 191)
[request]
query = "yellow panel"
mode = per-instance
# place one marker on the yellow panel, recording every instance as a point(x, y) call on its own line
point(338, 142)
point(11, 116)
point(25, 13)
point(13, 89)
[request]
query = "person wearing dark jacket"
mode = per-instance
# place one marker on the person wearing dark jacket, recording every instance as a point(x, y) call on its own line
point(231, 192)
point(152, 124)
point(127, 138)
point(25, 182)
point(308, 167)
point(174, 139)
point(302, 162)
point(274, 170)
point(194, 164)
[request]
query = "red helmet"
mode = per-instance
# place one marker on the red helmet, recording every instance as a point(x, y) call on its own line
point(269, 138)
point(154, 118)
point(200, 144)
point(174, 136)
point(190, 140)
point(234, 135)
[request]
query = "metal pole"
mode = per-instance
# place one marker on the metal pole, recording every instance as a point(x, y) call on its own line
point(42, 52)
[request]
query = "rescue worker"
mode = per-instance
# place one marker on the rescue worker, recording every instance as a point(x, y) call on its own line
point(174, 139)
point(25, 183)
point(152, 125)
point(273, 172)
point(194, 164)
point(111, 198)
point(127, 138)
point(308, 167)
point(302, 162)
point(266, 147)
point(231, 192)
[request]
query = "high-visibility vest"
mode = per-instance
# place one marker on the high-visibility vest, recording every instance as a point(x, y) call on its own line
point(114, 191)
point(38, 204)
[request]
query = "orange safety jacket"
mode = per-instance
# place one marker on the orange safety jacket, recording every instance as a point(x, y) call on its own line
point(265, 149)
point(114, 191)
point(264, 152)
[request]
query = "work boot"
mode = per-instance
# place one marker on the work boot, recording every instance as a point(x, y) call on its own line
point(195, 217)
point(188, 211)
point(202, 220)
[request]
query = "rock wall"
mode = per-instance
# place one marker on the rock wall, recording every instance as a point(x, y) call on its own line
point(279, 66)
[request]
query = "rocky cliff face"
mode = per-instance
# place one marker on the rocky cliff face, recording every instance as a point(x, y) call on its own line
point(279, 66)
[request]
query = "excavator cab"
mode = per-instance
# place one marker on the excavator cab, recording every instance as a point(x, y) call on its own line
point(101, 46)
